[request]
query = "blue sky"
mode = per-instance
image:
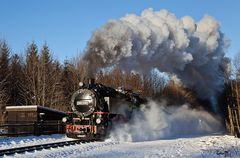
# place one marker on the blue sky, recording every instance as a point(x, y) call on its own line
point(67, 25)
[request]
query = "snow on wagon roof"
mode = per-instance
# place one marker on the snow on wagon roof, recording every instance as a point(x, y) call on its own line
point(31, 108)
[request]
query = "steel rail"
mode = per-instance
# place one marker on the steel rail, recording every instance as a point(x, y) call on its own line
point(11, 151)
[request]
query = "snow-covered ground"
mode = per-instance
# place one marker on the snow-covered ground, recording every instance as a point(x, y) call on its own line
point(154, 131)
point(13, 142)
point(202, 146)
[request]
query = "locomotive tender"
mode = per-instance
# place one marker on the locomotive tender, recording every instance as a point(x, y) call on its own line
point(95, 108)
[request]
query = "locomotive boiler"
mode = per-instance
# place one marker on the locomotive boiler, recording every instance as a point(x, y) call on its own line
point(95, 108)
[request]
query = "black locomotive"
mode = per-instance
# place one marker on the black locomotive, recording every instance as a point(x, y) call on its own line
point(96, 107)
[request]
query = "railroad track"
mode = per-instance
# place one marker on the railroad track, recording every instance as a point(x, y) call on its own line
point(12, 151)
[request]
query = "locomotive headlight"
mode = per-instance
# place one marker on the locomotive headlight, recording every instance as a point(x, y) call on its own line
point(81, 84)
point(64, 119)
point(98, 121)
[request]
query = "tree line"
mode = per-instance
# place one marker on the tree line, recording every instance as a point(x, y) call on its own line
point(232, 98)
point(34, 79)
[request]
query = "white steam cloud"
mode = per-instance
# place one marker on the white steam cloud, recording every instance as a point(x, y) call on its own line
point(193, 51)
point(154, 122)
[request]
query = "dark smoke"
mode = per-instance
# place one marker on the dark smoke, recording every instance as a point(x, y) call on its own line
point(192, 51)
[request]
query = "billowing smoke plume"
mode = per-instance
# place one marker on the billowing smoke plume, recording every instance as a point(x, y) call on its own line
point(154, 122)
point(193, 51)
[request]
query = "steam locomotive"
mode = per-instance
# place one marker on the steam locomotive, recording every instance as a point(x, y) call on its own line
point(95, 108)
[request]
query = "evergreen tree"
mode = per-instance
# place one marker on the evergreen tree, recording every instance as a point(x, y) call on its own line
point(57, 91)
point(50, 72)
point(45, 82)
point(4, 76)
point(68, 82)
point(4, 66)
point(32, 76)
point(16, 80)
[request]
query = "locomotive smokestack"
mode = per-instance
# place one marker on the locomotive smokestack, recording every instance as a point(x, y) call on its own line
point(91, 81)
